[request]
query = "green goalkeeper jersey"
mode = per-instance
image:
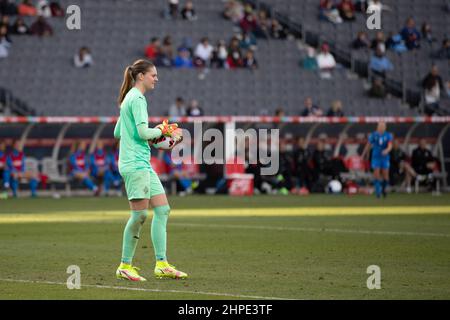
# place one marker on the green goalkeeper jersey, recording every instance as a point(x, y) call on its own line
point(134, 151)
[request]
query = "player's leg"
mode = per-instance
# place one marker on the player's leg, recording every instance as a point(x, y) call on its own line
point(84, 177)
point(32, 177)
point(6, 175)
point(138, 192)
point(107, 180)
point(161, 210)
point(15, 176)
point(384, 182)
point(377, 177)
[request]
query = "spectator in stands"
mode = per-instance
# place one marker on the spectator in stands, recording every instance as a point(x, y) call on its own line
point(5, 43)
point(26, 8)
point(152, 50)
point(378, 89)
point(396, 43)
point(248, 22)
point(43, 9)
point(432, 85)
point(311, 110)
point(379, 42)
point(83, 59)
point(219, 55)
point(19, 27)
point(347, 10)
point(183, 59)
point(249, 61)
point(424, 163)
point(99, 167)
point(427, 33)
point(177, 109)
point(247, 41)
point(444, 51)
point(4, 21)
point(194, 110)
point(41, 28)
point(411, 35)
point(326, 61)
point(329, 11)
point(173, 8)
point(19, 171)
point(167, 52)
point(336, 109)
point(361, 41)
point(302, 158)
point(234, 59)
point(400, 167)
point(279, 112)
point(310, 62)
point(276, 30)
point(5, 172)
point(448, 89)
point(8, 7)
point(188, 11)
point(263, 25)
point(203, 53)
point(79, 166)
point(380, 64)
point(57, 10)
point(234, 11)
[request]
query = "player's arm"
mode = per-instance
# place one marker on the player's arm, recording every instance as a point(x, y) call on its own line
point(389, 146)
point(117, 129)
point(388, 149)
point(140, 115)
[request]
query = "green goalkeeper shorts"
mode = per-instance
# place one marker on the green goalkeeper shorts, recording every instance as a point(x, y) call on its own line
point(142, 184)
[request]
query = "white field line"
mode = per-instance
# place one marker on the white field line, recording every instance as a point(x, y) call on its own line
point(149, 290)
point(391, 233)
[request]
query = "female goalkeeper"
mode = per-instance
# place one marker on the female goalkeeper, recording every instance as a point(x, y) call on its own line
point(142, 184)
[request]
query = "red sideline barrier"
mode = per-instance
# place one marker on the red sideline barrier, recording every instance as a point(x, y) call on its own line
point(224, 119)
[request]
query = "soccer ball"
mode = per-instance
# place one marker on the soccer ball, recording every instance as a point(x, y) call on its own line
point(164, 143)
point(334, 186)
point(167, 143)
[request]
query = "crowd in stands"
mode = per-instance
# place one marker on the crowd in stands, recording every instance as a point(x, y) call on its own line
point(9, 10)
point(178, 109)
point(42, 10)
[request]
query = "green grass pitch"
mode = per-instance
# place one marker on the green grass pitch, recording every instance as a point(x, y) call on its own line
point(316, 247)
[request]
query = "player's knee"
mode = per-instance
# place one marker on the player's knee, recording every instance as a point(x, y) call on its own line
point(142, 216)
point(162, 210)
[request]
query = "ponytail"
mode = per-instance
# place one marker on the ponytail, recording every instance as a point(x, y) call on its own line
point(129, 77)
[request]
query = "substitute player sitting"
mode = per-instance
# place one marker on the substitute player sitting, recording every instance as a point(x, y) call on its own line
point(100, 167)
point(79, 166)
point(380, 142)
point(19, 172)
point(4, 168)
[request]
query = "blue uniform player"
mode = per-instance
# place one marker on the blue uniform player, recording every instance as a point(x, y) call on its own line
point(380, 142)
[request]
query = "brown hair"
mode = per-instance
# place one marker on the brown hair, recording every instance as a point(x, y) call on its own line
point(130, 74)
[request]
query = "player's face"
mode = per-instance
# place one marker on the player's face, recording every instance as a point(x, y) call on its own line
point(381, 127)
point(150, 78)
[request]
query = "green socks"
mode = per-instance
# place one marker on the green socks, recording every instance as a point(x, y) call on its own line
point(159, 233)
point(131, 234)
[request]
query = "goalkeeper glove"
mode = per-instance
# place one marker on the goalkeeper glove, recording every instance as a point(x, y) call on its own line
point(166, 128)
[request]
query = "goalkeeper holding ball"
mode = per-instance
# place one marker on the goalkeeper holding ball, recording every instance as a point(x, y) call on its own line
point(141, 182)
